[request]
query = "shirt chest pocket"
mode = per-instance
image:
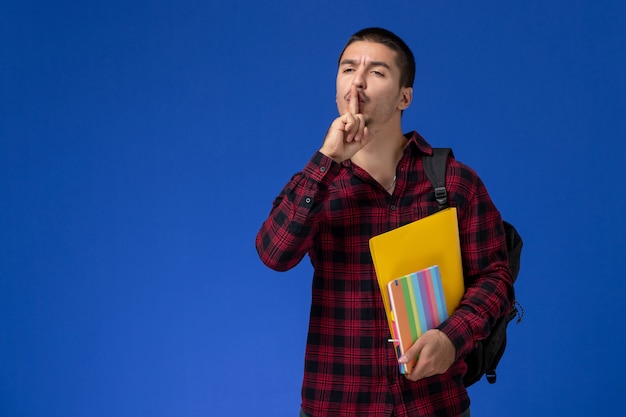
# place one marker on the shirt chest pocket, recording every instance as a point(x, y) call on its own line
point(420, 208)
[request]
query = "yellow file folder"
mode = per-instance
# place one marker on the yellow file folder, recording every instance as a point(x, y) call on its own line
point(433, 240)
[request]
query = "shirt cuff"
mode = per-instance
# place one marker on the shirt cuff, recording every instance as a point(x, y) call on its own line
point(322, 169)
point(459, 332)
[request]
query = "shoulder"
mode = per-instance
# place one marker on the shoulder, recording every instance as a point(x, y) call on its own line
point(460, 171)
point(463, 183)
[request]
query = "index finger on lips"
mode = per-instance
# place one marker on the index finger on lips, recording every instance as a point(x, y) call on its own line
point(351, 126)
point(354, 100)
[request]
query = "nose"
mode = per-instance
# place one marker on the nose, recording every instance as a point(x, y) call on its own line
point(359, 79)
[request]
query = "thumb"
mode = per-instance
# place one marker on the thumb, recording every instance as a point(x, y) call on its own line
point(413, 352)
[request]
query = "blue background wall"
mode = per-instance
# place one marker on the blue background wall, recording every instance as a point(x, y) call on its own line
point(141, 145)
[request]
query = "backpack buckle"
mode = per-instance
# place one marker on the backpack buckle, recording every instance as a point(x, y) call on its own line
point(441, 195)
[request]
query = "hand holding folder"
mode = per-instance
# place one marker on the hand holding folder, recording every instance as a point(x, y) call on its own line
point(417, 305)
point(417, 246)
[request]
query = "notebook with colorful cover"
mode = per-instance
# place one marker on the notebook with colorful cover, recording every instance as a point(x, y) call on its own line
point(417, 305)
point(432, 240)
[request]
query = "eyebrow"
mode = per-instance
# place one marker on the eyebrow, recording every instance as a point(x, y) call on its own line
point(371, 64)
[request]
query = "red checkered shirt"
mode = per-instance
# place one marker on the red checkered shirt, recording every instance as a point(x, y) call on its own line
point(330, 211)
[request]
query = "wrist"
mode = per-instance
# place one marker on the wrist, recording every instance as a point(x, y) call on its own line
point(331, 155)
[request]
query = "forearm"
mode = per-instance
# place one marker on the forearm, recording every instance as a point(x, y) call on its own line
point(287, 233)
point(488, 282)
point(484, 302)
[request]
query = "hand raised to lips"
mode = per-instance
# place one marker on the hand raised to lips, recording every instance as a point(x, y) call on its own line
point(348, 133)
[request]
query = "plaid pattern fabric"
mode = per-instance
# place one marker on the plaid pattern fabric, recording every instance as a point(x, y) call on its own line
point(330, 211)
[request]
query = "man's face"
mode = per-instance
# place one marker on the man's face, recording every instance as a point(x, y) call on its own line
point(373, 69)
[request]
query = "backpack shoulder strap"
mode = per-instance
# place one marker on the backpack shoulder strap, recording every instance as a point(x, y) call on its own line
point(435, 168)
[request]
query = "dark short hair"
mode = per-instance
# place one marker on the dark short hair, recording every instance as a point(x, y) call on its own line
point(405, 58)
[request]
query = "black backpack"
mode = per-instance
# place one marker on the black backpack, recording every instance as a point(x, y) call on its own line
point(484, 359)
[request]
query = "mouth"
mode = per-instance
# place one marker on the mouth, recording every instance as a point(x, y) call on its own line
point(360, 96)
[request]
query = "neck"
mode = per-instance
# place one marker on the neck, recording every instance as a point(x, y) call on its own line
point(381, 155)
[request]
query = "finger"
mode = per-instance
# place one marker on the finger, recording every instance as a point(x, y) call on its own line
point(413, 375)
point(422, 361)
point(361, 128)
point(365, 138)
point(418, 372)
point(354, 100)
point(412, 352)
point(352, 126)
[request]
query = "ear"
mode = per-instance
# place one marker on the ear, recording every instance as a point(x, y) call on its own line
point(406, 97)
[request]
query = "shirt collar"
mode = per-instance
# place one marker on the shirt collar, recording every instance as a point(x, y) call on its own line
point(415, 139)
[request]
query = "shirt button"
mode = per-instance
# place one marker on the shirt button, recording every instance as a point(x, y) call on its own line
point(393, 207)
point(323, 169)
point(308, 200)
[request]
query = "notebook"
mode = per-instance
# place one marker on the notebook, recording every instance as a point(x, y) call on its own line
point(417, 304)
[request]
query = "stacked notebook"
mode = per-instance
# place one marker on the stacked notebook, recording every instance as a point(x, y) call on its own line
point(430, 248)
point(417, 304)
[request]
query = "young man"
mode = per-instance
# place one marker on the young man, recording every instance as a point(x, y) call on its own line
point(366, 179)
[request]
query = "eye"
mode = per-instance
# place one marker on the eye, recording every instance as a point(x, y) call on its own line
point(378, 73)
point(346, 70)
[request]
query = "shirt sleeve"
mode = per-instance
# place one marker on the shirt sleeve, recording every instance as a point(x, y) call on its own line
point(289, 231)
point(485, 265)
